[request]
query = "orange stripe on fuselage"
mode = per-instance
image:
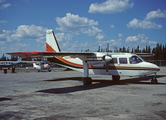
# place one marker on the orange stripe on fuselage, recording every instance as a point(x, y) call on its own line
point(70, 63)
point(116, 67)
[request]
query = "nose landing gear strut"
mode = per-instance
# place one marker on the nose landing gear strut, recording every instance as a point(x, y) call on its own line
point(154, 79)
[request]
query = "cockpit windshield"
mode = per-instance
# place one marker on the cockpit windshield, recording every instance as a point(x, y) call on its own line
point(135, 60)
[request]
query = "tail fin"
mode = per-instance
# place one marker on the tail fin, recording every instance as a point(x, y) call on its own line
point(34, 65)
point(51, 42)
point(19, 60)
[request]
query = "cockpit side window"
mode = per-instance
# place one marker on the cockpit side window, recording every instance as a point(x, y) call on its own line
point(135, 60)
point(123, 60)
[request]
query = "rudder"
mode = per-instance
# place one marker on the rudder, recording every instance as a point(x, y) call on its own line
point(51, 42)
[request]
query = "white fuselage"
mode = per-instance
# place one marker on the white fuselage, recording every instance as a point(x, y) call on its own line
point(122, 65)
point(41, 66)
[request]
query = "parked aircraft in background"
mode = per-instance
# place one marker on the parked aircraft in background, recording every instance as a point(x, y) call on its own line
point(98, 63)
point(9, 64)
point(42, 65)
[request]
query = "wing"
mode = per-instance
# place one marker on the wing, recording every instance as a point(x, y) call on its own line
point(145, 54)
point(50, 54)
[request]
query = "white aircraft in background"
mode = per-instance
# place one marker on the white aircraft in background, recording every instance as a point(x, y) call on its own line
point(42, 65)
point(9, 64)
point(98, 63)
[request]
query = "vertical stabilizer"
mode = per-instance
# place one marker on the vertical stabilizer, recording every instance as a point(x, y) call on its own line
point(51, 42)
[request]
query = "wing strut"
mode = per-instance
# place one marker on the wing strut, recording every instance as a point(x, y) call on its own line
point(86, 69)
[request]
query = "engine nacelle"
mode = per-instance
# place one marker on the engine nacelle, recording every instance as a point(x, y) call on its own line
point(107, 58)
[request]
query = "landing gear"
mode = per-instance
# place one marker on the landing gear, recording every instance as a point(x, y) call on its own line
point(49, 70)
point(115, 78)
point(13, 69)
point(154, 80)
point(87, 81)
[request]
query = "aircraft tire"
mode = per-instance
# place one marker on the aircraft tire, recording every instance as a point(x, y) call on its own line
point(154, 81)
point(49, 70)
point(87, 81)
point(115, 78)
point(38, 70)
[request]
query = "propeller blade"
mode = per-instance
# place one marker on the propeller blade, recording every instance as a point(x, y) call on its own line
point(106, 66)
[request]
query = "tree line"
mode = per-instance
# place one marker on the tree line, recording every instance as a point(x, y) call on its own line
point(159, 51)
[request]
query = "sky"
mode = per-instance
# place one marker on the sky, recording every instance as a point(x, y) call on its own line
point(81, 24)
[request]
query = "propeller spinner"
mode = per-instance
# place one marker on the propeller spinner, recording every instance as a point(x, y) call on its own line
point(107, 59)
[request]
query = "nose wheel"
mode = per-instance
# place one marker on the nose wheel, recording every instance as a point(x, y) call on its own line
point(154, 80)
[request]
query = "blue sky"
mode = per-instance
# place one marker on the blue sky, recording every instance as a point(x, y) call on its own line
point(81, 24)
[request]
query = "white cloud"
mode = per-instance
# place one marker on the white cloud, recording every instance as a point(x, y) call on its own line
point(74, 22)
point(2, 42)
point(112, 43)
point(30, 32)
point(120, 35)
point(76, 46)
point(155, 15)
point(19, 47)
point(100, 36)
point(112, 26)
point(140, 38)
point(145, 24)
point(3, 21)
point(5, 5)
point(110, 6)
point(1, 1)
point(62, 36)
point(152, 42)
point(92, 31)
point(41, 39)
point(5, 36)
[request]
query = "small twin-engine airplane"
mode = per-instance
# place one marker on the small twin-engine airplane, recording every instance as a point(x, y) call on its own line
point(98, 63)
point(9, 64)
point(42, 65)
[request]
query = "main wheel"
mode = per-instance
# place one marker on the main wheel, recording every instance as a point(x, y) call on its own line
point(87, 81)
point(115, 78)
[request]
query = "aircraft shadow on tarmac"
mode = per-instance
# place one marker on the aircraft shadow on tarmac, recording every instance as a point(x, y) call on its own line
point(98, 84)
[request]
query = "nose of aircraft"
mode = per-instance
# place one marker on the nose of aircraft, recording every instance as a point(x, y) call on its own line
point(155, 67)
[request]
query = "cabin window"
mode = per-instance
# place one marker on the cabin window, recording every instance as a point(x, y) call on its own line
point(134, 60)
point(123, 60)
point(114, 60)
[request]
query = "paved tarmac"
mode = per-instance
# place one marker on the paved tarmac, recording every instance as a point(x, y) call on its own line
point(60, 95)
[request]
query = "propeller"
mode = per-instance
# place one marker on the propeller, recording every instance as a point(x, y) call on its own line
point(107, 59)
